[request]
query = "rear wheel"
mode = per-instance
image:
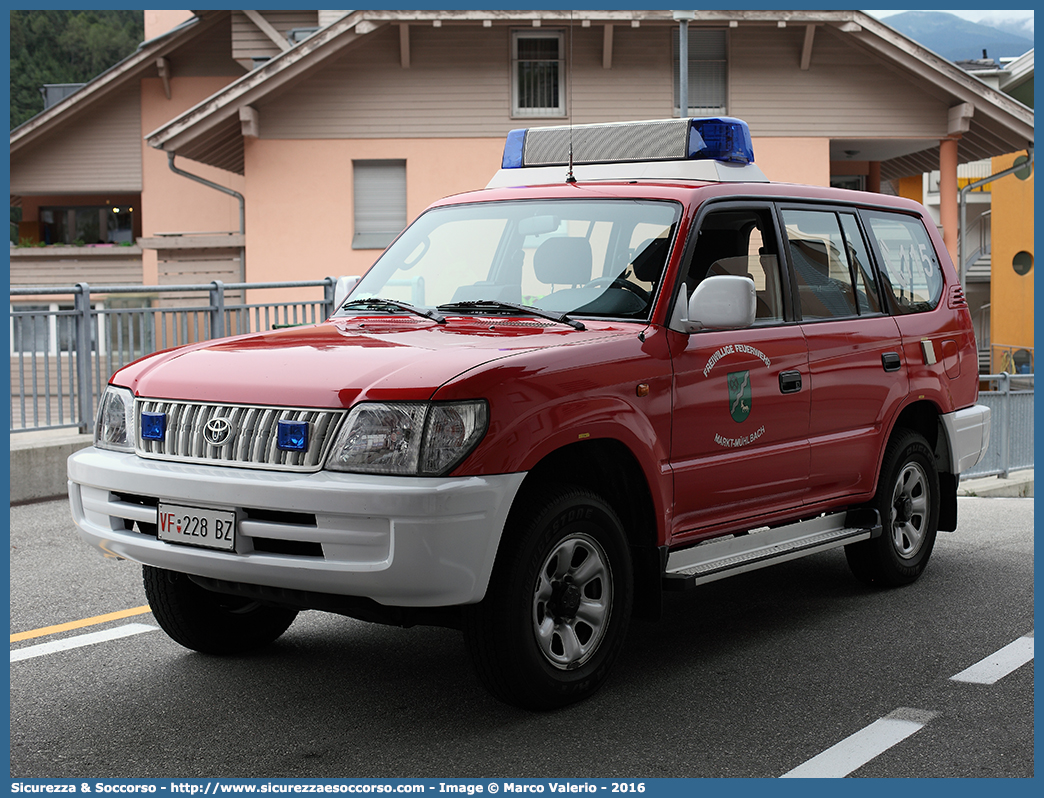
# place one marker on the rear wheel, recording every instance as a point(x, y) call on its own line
point(908, 502)
point(212, 623)
point(558, 604)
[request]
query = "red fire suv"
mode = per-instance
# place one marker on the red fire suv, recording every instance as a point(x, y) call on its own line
point(630, 364)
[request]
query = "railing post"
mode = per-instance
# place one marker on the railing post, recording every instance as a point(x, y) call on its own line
point(82, 306)
point(329, 288)
point(1006, 416)
point(217, 309)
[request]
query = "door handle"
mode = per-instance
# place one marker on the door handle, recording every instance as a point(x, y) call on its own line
point(789, 381)
point(891, 361)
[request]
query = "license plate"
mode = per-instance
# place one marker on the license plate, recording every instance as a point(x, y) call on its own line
point(197, 526)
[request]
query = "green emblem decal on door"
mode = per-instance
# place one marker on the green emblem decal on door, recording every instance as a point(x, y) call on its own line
point(739, 395)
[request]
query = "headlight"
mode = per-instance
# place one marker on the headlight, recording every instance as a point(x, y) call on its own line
point(114, 427)
point(408, 437)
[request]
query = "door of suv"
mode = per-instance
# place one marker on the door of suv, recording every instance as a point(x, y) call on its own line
point(739, 442)
point(856, 360)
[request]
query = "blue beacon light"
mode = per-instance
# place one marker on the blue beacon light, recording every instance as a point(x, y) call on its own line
point(292, 436)
point(720, 139)
point(513, 149)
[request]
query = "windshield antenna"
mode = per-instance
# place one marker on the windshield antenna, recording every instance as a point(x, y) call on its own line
point(569, 174)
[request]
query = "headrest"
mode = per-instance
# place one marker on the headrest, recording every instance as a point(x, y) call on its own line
point(563, 261)
point(713, 245)
point(650, 258)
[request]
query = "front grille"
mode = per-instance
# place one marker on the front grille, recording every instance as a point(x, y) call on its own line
point(251, 443)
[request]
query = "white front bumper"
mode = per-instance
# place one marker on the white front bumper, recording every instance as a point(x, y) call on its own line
point(402, 541)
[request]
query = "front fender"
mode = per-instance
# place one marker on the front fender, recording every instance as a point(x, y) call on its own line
point(616, 388)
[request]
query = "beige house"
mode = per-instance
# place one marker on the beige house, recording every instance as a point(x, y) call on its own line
point(293, 145)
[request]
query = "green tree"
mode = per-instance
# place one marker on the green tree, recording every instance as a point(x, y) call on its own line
point(65, 47)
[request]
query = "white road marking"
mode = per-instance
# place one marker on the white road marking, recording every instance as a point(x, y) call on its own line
point(999, 664)
point(77, 641)
point(855, 751)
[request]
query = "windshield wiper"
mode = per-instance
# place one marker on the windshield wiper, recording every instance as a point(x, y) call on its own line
point(392, 305)
point(525, 310)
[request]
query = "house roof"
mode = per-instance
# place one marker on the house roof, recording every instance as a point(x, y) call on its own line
point(988, 122)
point(140, 63)
point(211, 132)
point(1019, 71)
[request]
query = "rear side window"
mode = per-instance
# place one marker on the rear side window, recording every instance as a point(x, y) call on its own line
point(830, 265)
point(911, 276)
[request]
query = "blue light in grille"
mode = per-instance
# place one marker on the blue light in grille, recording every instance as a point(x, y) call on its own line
point(153, 426)
point(292, 436)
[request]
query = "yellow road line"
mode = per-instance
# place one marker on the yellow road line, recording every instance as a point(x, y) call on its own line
point(65, 627)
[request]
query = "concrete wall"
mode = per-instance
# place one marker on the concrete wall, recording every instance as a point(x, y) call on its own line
point(38, 463)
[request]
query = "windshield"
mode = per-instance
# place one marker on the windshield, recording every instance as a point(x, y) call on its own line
point(587, 258)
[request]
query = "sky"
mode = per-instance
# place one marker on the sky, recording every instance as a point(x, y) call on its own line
point(974, 16)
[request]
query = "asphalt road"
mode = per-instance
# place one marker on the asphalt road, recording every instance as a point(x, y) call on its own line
point(749, 677)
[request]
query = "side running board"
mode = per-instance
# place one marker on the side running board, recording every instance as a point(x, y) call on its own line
point(738, 554)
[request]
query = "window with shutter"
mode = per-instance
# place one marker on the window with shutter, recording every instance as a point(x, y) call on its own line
point(537, 66)
point(379, 201)
point(708, 64)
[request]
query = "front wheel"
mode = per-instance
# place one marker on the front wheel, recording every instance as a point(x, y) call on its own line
point(558, 605)
point(208, 622)
point(908, 501)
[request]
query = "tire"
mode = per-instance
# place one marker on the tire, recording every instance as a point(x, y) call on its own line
point(558, 605)
point(211, 623)
point(907, 499)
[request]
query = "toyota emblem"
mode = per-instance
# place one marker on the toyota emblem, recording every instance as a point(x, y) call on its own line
point(217, 431)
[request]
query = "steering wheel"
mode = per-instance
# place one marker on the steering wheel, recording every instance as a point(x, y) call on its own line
point(619, 282)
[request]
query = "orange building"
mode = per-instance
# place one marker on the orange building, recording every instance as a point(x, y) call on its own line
point(1011, 273)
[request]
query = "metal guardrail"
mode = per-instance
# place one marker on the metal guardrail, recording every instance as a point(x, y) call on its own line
point(1010, 398)
point(63, 352)
point(67, 340)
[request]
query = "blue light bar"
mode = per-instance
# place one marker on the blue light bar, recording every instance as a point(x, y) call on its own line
point(720, 139)
point(292, 436)
point(699, 139)
point(153, 426)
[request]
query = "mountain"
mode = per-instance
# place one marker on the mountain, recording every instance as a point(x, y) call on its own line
point(1013, 25)
point(958, 39)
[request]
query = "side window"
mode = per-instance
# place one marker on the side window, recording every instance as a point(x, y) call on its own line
point(867, 296)
point(824, 276)
point(740, 242)
point(910, 271)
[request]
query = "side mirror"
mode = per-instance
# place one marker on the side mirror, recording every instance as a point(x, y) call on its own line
point(720, 302)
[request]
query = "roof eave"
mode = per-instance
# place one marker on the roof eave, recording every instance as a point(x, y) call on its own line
point(108, 81)
point(288, 65)
point(209, 118)
point(950, 78)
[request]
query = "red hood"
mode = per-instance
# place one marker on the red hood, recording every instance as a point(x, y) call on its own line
point(338, 363)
